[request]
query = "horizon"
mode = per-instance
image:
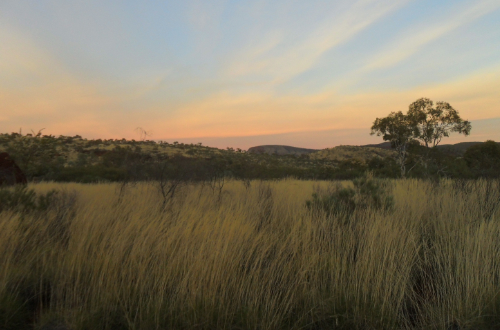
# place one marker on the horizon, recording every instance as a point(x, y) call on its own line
point(219, 142)
point(245, 73)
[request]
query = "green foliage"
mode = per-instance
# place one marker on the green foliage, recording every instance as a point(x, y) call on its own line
point(35, 154)
point(73, 159)
point(422, 123)
point(396, 128)
point(367, 192)
point(88, 174)
point(433, 163)
point(430, 124)
point(24, 200)
point(484, 159)
point(373, 193)
point(383, 167)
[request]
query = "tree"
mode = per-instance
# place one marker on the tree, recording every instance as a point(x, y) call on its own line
point(484, 158)
point(430, 124)
point(396, 128)
point(423, 123)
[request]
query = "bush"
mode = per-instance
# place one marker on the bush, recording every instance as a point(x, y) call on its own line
point(484, 159)
point(367, 192)
point(21, 199)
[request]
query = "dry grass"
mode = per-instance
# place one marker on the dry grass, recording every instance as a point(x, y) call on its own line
point(253, 258)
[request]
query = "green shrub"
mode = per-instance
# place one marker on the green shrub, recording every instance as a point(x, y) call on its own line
point(372, 193)
point(367, 192)
point(484, 159)
point(24, 200)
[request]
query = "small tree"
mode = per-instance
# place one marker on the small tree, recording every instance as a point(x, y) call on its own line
point(423, 123)
point(397, 129)
point(431, 124)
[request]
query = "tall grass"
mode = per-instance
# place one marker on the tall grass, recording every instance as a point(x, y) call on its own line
point(106, 256)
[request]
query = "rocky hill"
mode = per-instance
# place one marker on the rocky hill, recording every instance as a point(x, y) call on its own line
point(457, 149)
point(280, 150)
point(355, 153)
point(340, 153)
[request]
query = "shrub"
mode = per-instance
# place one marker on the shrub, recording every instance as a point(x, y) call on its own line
point(484, 159)
point(21, 199)
point(367, 192)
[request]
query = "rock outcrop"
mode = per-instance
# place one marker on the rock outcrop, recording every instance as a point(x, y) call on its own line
point(280, 150)
point(10, 173)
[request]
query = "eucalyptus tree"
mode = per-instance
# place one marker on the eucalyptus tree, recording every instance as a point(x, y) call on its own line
point(423, 124)
point(396, 128)
point(431, 123)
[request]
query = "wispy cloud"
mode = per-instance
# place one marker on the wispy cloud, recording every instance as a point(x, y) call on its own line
point(37, 90)
point(410, 42)
point(226, 114)
point(281, 56)
point(203, 15)
point(236, 68)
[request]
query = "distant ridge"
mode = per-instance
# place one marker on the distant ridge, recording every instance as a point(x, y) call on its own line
point(354, 153)
point(362, 153)
point(280, 150)
point(456, 149)
point(383, 145)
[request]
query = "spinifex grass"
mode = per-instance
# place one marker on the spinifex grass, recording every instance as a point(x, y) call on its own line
point(106, 256)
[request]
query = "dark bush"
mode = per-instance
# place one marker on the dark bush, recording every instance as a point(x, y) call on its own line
point(22, 199)
point(484, 159)
point(367, 192)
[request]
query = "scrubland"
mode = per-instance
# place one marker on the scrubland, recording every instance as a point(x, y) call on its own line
point(251, 255)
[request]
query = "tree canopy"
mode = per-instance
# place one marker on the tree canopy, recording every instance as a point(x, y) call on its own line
point(430, 124)
point(397, 129)
point(423, 123)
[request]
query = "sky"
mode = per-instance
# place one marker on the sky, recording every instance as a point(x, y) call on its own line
point(239, 73)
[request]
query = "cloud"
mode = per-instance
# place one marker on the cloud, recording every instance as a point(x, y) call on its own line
point(203, 15)
point(226, 114)
point(234, 92)
point(281, 55)
point(20, 56)
point(37, 90)
point(410, 42)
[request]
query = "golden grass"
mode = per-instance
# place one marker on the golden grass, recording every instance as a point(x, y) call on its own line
point(254, 258)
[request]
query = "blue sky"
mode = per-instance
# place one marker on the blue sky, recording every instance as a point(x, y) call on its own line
point(239, 73)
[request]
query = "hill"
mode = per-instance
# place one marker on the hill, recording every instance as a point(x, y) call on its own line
point(337, 154)
point(352, 153)
point(280, 150)
point(457, 149)
point(66, 158)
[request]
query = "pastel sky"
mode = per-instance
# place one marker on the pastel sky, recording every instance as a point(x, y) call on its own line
point(240, 73)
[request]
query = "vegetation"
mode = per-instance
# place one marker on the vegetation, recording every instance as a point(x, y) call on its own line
point(396, 128)
point(108, 256)
point(422, 123)
point(73, 159)
point(484, 159)
point(339, 200)
point(430, 124)
point(176, 236)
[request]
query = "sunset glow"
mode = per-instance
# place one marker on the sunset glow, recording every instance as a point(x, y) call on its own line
point(310, 74)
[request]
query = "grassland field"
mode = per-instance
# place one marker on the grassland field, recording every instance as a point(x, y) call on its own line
point(251, 255)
